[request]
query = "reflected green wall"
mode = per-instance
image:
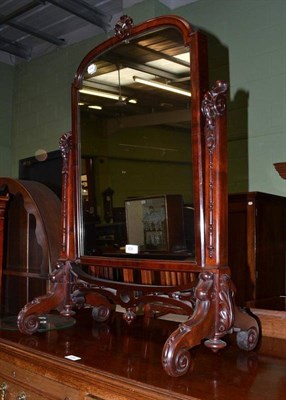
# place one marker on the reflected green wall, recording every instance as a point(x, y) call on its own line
point(246, 40)
point(137, 162)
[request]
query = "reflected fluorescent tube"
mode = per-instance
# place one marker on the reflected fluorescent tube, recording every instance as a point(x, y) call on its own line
point(95, 107)
point(162, 86)
point(99, 93)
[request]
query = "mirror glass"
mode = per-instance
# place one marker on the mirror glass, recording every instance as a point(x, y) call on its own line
point(136, 162)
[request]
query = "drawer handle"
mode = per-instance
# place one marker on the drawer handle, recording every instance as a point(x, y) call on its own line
point(21, 396)
point(3, 389)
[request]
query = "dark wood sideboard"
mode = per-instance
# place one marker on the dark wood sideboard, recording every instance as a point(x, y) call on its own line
point(121, 362)
point(257, 246)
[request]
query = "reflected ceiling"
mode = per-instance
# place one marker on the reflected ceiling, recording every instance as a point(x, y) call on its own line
point(119, 82)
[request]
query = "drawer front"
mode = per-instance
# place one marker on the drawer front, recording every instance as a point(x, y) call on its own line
point(34, 386)
point(11, 391)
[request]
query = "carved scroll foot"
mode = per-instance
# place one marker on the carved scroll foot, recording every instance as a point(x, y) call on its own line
point(176, 358)
point(247, 328)
point(28, 318)
point(101, 307)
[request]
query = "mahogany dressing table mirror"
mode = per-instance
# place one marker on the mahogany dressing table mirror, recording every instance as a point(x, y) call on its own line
point(124, 236)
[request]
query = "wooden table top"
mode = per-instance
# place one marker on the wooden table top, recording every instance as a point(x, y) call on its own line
point(133, 353)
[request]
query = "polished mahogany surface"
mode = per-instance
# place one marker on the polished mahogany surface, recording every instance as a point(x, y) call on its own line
point(133, 353)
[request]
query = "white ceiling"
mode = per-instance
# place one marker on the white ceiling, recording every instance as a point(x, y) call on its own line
point(31, 28)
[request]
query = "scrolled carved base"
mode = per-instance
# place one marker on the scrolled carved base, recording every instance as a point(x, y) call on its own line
point(176, 359)
point(28, 317)
point(215, 316)
point(29, 324)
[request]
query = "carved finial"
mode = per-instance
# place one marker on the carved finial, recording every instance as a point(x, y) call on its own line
point(65, 144)
point(214, 103)
point(123, 27)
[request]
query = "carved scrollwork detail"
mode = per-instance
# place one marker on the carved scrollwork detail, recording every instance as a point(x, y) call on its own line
point(180, 363)
point(176, 360)
point(213, 105)
point(226, 304)
point(123, 27)
point(202, 291)
point(65, 145)
point(30, 324)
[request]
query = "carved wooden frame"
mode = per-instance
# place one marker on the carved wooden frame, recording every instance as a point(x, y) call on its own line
point(209, 303)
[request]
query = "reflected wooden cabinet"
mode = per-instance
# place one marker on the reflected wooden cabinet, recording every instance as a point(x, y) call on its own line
point(30, 237)
point(156, 224)
point(257, 245)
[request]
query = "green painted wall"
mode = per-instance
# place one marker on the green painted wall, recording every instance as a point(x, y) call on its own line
point(253, 33)
point(247, 46)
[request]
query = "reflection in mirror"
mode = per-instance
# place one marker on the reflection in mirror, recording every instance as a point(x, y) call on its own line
point(135, 134)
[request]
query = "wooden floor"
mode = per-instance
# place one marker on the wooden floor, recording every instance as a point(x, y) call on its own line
point(133, 353)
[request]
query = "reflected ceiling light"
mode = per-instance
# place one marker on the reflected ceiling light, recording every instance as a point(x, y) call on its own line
point(99, 93)
point(91, 69)
point(173, 66)
point(132, 101)
point(111, 78)
point(95, 107)
point(162, 86)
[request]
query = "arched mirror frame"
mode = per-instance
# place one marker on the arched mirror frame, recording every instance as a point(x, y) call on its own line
point(209, 301)
point(196, 43)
